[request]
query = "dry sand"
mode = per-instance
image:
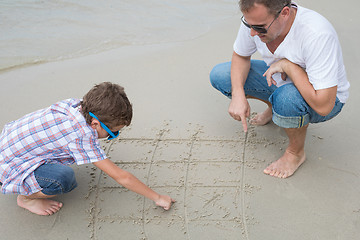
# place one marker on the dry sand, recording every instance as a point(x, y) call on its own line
point(183, 142)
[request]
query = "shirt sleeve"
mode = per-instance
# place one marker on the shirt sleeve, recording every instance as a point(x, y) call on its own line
point(323, 61)
point(86, 150)
point(244, 44)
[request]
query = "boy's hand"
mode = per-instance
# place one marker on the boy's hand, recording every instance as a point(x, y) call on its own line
point(164, 201)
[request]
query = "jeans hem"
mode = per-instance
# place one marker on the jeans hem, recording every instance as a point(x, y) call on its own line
point(290, 122)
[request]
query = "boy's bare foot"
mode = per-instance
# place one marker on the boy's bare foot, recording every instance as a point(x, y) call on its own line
point(262, 118)
point(39, 206)
point(286, 165)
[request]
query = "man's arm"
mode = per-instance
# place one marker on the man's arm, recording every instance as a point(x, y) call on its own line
point(239, 107)
point(129, 181)
point(322, 101)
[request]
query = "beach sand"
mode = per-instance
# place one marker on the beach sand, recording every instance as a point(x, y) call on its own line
point(182, 142)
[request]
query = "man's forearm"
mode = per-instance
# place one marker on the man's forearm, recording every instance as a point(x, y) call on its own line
point(240, 67)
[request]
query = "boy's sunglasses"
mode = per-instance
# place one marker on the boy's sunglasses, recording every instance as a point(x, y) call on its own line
point(261, 29)
point(112, 134)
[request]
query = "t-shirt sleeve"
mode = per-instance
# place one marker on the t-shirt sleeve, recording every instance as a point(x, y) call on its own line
point(244, 44)
point(323, 61)
point(86, 150)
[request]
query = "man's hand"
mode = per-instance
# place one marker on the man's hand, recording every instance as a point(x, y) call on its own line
point(277, 67)
point(239, 109)
point(164, 202)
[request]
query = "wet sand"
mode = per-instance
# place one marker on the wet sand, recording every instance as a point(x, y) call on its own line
point(182, 142)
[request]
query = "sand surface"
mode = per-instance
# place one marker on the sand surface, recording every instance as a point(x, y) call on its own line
point(182, 142)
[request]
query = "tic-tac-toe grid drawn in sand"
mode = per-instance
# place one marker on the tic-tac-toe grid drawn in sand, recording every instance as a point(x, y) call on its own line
point(206, 177)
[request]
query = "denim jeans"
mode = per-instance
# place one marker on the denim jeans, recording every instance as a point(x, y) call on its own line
point(55, 178)
point(289, 108)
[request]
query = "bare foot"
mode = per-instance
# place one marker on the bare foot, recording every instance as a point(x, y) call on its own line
point(39, 206)
point(286, 165)
point(262, 118)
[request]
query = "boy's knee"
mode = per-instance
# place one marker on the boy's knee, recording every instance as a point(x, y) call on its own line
point(56, 179)
point(67, 179)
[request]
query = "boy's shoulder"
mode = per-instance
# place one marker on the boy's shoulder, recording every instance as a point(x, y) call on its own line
point(62, 116)
point(70, 109)
point(67, 105)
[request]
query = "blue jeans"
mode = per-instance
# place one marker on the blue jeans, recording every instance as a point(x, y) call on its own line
point(55, 178)
point(289, 108)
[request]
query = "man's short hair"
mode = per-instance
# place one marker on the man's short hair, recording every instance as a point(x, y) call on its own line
point(273, 6)
point(109, 103)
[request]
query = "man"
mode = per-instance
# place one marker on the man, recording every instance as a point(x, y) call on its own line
point(302, 78)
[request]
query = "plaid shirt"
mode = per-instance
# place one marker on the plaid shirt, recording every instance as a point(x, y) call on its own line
point(55, 134)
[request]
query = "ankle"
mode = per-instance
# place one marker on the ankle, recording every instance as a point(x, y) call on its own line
point(295, 152)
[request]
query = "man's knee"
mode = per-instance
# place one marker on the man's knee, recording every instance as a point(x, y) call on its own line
point(220, 78)
point(287, 101)
point(289, 108)
point(214, 77)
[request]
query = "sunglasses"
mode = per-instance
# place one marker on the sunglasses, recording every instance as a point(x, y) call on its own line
point(260, 28)
point(112, 134)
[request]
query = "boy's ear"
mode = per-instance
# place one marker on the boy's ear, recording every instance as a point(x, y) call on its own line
point(94, 123)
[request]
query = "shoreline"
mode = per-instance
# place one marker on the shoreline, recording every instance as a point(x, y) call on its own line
point(73, 77)
point(106, 48)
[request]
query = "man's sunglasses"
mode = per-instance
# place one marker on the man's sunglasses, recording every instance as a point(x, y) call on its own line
point(259, 28)
point(112, 134)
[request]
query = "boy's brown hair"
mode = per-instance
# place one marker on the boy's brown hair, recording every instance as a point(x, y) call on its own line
point(109, 103)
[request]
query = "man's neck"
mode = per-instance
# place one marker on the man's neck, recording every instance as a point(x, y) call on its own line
point(273, 45)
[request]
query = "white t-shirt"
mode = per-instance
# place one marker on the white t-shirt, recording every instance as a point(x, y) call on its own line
point(311, 43)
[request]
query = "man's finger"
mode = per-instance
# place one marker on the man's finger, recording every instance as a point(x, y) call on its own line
point(244, 123)
point(273, 81)
point(264, 75)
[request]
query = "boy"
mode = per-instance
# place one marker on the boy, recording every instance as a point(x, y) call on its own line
point(36, 149)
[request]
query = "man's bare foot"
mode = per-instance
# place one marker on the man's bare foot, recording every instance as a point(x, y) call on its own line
point(286, 165)
point(262, 118)
point(39, 206)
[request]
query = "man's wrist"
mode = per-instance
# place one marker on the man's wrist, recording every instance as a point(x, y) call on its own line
point(238, 94)
point(285, 64)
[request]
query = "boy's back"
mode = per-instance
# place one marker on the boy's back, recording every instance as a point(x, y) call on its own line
point(55, 134)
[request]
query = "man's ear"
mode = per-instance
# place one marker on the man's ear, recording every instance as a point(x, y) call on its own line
point(286, 12)
point(94, 123)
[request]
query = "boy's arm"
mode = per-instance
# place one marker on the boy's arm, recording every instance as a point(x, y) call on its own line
point(129, 181)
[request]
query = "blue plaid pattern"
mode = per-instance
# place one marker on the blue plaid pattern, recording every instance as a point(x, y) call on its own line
point(55, 134)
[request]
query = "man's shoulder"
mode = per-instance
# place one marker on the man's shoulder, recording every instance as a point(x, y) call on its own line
point(312, 23)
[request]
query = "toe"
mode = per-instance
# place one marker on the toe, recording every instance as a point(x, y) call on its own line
point(278, 174)
point(274, 172)
point(282, 175)
point(48, 212)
